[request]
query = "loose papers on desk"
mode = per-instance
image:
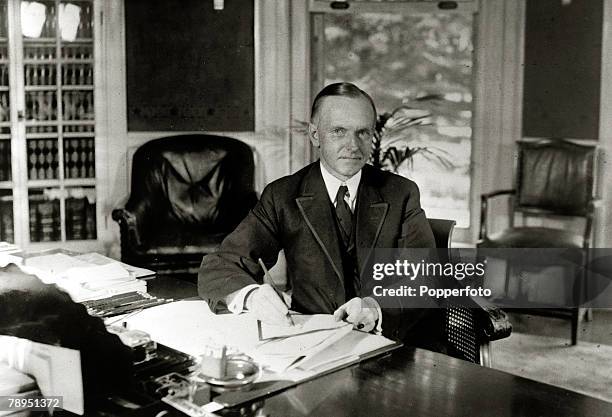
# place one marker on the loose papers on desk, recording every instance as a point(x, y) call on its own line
point(8, 248)
point(6, 254)
point(81, 279)
point(189, 326)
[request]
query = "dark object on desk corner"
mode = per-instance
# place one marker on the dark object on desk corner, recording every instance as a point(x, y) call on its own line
point(468, 331)
point(42, 313)
point(554, 178)
point(187, 193)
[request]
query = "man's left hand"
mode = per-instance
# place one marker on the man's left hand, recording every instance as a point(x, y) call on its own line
point(362, 312)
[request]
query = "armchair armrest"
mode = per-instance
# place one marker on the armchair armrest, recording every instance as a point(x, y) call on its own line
point(484, 209)
point(128, 224)
point(493, 323)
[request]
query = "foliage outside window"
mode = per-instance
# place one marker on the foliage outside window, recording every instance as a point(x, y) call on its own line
point(420, 61)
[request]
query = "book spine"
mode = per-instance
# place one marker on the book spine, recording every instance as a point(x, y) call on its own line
point(75, 218)
point(57, 226)
point(45, 215)
point(5, 160)
point(6, 219)
point(34, 221)
point(90, 220)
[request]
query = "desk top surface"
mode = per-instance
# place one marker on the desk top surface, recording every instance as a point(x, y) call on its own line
point(421, 383)
point(418, 383)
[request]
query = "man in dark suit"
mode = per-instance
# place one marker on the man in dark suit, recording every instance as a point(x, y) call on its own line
point(327, 217)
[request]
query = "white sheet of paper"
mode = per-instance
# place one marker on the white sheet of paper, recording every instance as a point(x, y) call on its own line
point(13, 381)
point(50, 267)
point(303, 324)
point(57, 371)
point(97, 259)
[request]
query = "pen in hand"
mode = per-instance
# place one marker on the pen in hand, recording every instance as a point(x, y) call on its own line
point(278, 292)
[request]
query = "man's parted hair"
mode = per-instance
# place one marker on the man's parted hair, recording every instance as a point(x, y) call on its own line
point(343, 90)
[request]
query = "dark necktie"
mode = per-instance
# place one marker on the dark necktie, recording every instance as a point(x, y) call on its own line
point(343, 211)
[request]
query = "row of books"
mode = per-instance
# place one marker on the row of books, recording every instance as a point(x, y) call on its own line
point(44, 216)
point(7, 233)
point(79, 158)
point(43, 53)
point(66, 128)
point(43, 163)
point(45, 74)
point(80, 219)
point(76, 105)
point(5, 160)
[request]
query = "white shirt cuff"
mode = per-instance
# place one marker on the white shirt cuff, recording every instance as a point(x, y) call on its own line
point(378, 329)
point(237, 306)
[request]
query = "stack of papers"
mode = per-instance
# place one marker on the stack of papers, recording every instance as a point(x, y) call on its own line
point(81, 279)
point(315, 344)
point(8, 248)
point(6, 254)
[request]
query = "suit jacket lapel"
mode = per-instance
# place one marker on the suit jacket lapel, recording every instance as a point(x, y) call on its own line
point(315, 207)
point(371, 213)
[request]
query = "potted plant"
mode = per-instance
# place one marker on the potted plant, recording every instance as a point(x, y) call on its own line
point(394, 131)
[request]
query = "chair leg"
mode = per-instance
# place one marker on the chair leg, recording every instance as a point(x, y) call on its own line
point(507, 281)
point(485, 355)
point(575, 323)
point(588, 314)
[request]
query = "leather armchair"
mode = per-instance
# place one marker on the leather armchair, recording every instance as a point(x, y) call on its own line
point(554, 179)
point(187, 193)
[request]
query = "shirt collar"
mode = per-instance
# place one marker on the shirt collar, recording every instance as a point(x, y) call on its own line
point(332, 184)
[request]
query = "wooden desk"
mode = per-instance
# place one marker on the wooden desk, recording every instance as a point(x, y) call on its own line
point(410, 382)
point(415, 382)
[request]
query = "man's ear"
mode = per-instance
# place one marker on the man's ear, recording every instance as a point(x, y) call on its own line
point(313, 134)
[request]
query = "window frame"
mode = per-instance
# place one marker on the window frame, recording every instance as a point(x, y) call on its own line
point(497, 87)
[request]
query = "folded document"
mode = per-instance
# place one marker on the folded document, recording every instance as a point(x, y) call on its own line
point(303, 323)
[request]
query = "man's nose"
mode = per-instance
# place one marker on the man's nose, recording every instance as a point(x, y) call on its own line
point(353, 141)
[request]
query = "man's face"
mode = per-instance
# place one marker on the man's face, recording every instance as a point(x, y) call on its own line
point(343, 131)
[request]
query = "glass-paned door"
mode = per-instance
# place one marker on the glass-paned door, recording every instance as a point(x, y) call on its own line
point(6, 184)
point(58, 79)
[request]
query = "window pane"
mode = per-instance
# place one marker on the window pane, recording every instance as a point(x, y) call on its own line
point(422, 61)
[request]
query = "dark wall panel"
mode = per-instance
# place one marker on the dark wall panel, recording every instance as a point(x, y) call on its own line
point(190, 67)
point(562, 68)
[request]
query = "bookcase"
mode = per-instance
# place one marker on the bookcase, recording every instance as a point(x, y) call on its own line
point(47, 122)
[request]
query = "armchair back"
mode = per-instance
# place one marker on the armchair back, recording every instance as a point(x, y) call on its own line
point(187, 193)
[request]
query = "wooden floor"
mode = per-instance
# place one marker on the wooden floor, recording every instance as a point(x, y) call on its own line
point(599, 330)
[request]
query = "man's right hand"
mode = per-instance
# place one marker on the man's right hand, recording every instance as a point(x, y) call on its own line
point(267, 306)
